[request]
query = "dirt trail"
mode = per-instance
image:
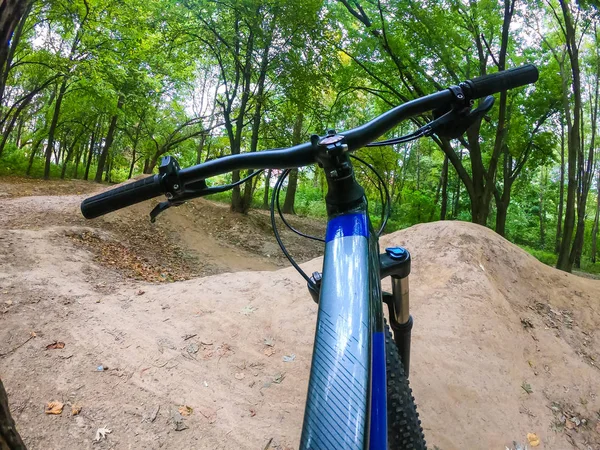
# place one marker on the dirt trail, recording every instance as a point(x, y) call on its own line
point(490, 323)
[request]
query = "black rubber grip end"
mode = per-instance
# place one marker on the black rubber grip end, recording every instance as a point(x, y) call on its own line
point(122, 196)
point(501, 81)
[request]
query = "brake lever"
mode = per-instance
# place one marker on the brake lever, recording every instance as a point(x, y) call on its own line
point(193, 190)
point(162, 206)
point(460, 120)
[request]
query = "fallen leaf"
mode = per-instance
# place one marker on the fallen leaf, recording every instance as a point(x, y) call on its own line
point(247, 310)
point(75, 409)
point(185, 410)
point(269, 341)
point(54, 408)
point(177, 421)
point(55, 345)
point(570, 425)
point(533, 439)
point(278, 378)
point(101, 434)
point(289, 358)
point(527, 387)
point(209, 414)
point(269, 351)
point(240, 375)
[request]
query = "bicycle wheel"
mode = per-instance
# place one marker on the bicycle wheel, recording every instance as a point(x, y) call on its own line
point(404, 426)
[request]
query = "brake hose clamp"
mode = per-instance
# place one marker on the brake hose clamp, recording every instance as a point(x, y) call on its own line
point(169, 175)
point(458, 93)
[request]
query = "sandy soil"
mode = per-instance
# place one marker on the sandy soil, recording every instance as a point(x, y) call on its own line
point(491, 323)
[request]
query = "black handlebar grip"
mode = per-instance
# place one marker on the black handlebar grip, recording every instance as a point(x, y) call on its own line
point(122, 196)
point(501, 81)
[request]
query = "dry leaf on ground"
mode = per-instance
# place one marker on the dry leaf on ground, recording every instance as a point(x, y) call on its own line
point(533, 439)
point(209, 414)
point(269, 351)
point(54, 408)
point(247, 310)
point(75, 409)
point(55, 345)
point(185, 410)
point(101, 434)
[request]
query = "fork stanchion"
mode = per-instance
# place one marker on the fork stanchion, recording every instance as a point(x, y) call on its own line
point(395, 262)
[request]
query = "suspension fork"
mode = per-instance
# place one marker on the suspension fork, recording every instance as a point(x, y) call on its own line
point(395, 263)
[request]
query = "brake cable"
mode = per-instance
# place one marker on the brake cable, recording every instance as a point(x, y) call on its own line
point(199, 189)
point(387, 210)
point(275, 199)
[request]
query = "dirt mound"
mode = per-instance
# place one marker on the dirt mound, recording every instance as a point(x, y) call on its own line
point(502, 346)
point(491, 323)
point(198, 238)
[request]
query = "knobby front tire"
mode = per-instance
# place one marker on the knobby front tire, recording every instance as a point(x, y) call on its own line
point(404, 426)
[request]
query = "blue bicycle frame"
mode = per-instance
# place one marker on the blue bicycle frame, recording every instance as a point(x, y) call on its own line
point(346, 402)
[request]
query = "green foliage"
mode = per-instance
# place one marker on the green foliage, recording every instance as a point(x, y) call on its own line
point(167, 74)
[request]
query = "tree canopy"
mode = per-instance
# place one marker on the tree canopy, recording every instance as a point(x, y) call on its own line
point(103, 89)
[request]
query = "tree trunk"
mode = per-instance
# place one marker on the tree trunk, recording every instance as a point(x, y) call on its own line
point(543, 182)
point(77, 160)
point(90, 156)
point(456, 202)
point(34, 150)
point(136, 140)
point(150, 163)
point(267, 186)
point(596, 220)
point(200, 148)
point(501, 214)
point(561, 196)
point(52, 130)
point(444, 206)
point(256, 121)
point(290, 195)
point(10, 125)
point(13, 13)
point(132, 164)
point(19, 132)
point(110, 135)
point(66, 161)
point(585, 168)
point(565, 262)
point(108, 169)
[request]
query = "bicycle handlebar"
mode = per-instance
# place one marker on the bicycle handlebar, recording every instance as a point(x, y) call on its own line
point(305, 154)
point(501, 81)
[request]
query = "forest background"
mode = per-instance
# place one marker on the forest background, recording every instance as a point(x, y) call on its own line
point(101, 90)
